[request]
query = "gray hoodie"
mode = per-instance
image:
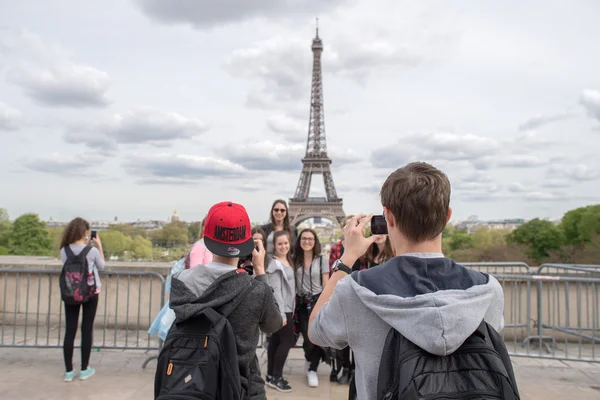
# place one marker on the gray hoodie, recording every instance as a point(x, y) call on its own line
point(215, 285)
point(281, 279)
point(432, 301)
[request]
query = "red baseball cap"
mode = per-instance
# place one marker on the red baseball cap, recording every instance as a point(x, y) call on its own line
point(227, 230)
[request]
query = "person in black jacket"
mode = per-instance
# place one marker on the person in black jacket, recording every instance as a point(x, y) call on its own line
point(220, 281)
point(279, 220)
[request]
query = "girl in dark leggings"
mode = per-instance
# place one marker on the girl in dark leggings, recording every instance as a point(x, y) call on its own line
point(312, 274)
point(75, 240)
point(281, 278)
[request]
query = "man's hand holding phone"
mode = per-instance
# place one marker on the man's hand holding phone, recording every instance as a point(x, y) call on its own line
point(355, 243)
point(258, 258)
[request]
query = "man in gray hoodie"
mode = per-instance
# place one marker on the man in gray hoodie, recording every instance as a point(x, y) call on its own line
point(228, 236)
point(432, 301)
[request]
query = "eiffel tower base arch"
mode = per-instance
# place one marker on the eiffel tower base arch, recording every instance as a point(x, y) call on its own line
point(302, 210)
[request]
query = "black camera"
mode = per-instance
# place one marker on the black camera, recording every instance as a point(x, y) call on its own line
point(306, 300)
point(243, 263)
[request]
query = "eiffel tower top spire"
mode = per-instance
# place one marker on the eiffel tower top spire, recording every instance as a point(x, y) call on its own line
point(316, 146)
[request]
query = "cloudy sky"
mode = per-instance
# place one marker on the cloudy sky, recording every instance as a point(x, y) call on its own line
point(133, 108)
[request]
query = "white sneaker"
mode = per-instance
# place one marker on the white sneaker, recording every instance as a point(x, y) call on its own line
point(313, 379)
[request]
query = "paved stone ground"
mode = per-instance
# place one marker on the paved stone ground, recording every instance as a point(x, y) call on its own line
point(36, 374)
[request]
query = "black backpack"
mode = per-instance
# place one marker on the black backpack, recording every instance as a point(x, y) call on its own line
point(480, 369)
point(74, 285)
point(199, 358)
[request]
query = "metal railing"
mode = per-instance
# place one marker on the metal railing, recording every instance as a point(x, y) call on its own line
point(32, 311)
point(563, 317)
point(560, 319)
point(569, 269)
point(494, 268)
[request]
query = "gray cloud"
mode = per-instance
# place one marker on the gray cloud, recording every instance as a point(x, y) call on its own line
point(433, 147)
point(516, 187)
point(65, 165)
point(555, 183)
point(289, 128)
point(540, 121)
point(520, 161)
point(10, 118)
point(590, 100)
point(202, 14)
point(281, 66)
point(168, 168)
point(47, 74)
point(140, 125)
point(574, 173)
point(265, 156)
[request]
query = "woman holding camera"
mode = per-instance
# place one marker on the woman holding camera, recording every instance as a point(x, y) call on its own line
point(75, 241)
point(280, 274)
point(312, 274)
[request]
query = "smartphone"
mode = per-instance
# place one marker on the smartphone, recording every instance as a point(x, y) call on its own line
point(378, 225)
point(94, 234)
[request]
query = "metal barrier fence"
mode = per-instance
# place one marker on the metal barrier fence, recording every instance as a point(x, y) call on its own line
point(494, 268)
point(569, 269)
point(32, 310)
point(560, 320)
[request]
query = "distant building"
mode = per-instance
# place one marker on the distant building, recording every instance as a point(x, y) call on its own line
point(175, 216)
point(472, 224)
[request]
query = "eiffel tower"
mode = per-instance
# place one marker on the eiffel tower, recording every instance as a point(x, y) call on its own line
point(316, 160)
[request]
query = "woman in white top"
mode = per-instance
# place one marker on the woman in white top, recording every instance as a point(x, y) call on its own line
point(281, 278)
point(312, 274)
point(75, 240)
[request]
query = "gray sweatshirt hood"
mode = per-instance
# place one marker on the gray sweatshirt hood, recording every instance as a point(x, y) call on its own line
point(212, 285)
point(433, 302)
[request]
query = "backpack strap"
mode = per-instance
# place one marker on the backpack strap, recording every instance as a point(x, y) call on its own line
point(85, 251)
point(321, 271)
point(70, 253)
point(499, 346)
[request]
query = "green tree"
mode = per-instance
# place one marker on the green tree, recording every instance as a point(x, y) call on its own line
point(56, 234)
point(114, 243)
point(4, 231)
point(128, 230)
point(540, 236)
point(171, 235)
point(482, 238)
point(141, 248)
point(29, 237)
point(461, 240)
point(581, 224)
point(194, 231)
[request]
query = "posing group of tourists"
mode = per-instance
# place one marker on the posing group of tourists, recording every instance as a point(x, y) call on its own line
point(393, 317)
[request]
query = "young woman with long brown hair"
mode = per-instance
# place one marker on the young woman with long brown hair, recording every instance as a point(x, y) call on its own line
point(312, 274)
point(280, 274)
point(379, 252)
point(76, 239)
point(279, 220)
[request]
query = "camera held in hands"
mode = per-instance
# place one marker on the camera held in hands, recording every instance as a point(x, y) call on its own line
point(246, 263)
point(378, 225)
